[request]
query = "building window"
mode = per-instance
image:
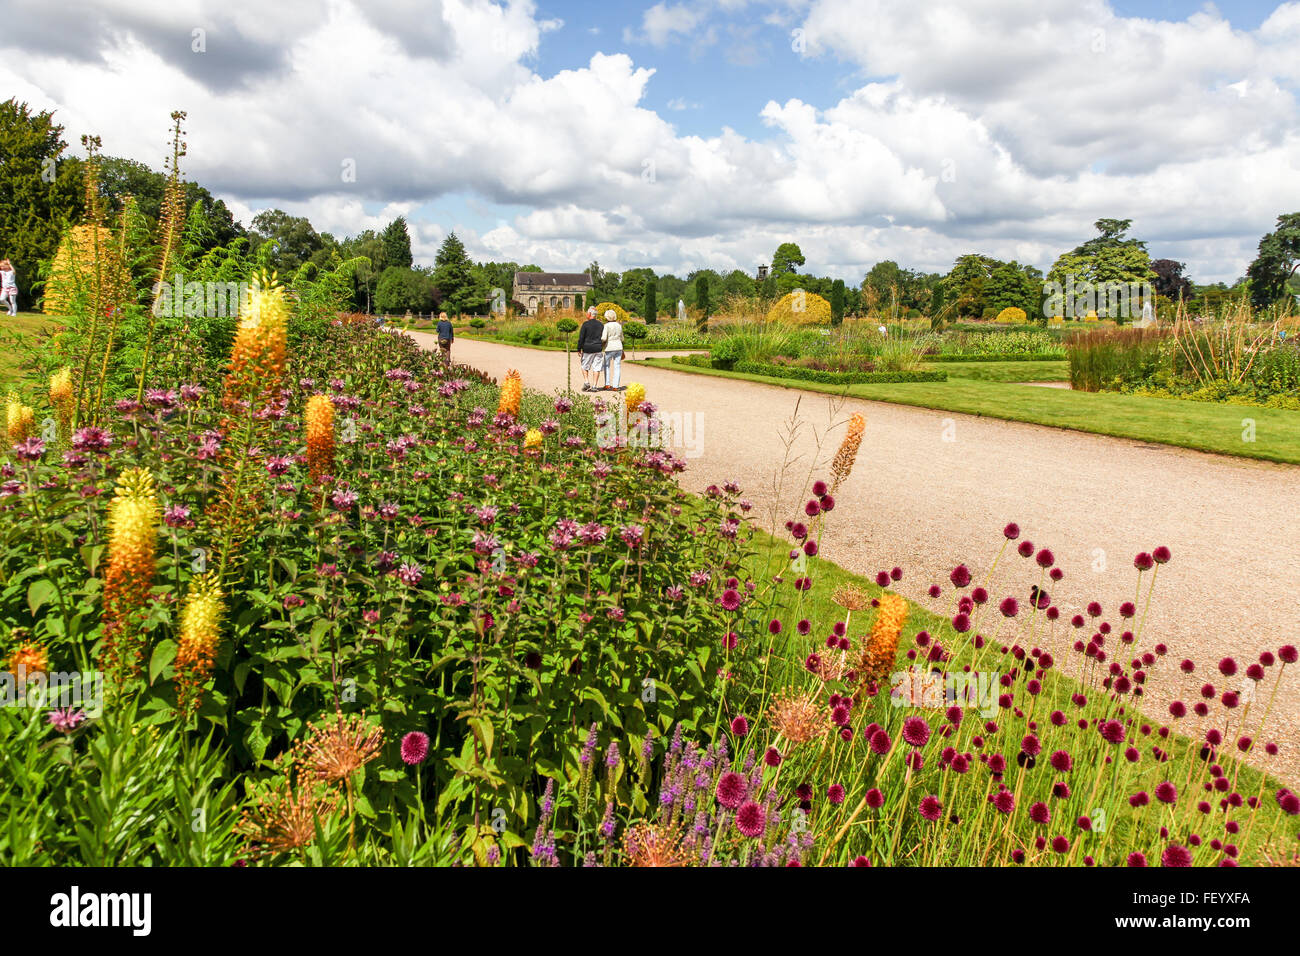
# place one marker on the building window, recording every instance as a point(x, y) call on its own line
point(532, 303)
point(554, 302)
point(567, 304)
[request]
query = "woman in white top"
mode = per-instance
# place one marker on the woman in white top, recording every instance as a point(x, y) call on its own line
point(612, 336)
point(8, 286)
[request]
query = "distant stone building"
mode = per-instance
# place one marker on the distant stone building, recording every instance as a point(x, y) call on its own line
point(550, 291)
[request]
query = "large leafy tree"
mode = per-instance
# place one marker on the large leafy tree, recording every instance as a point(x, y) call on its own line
point(459, 285)
point(1277, 261)
point(397, 244)
point(1011, 285)
point(40, 192)
point(120, 177)
point(787, 259)
point(1108, 257)
point(404, 290)
point(651, 309)
point(296, 242)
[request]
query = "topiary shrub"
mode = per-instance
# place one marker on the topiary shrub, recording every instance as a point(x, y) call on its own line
point(477, 323)
point(803, 308)
point(566, 325)
point(1012, 315)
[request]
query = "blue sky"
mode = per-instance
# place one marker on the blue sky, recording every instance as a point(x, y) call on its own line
point(915, 131)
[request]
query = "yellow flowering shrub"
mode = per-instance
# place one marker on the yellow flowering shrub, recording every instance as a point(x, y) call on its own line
point(800, 307)
point(619, 311)
point(1012, 315)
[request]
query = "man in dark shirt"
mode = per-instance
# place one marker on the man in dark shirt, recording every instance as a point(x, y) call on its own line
point(591, 351)
point(445, 336)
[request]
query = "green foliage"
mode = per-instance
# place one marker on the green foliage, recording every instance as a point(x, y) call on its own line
point(460, 289)
point(1277, 261)
point(651, 309)
point(397, 244)
point(787, 259)
point(837, 302)
point(403, 290)
point(40, 191)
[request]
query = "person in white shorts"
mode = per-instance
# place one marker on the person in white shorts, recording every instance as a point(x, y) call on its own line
point(590, 351)
point(612, 336)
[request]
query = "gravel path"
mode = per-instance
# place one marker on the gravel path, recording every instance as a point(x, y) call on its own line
point(932, 489)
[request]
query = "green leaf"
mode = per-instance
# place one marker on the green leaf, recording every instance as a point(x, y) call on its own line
point(163, 655)
point(40, 592)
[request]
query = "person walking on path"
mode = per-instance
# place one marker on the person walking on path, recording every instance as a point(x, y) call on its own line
point(612, 336)
point(8, 286)
point(445, 337)
point(590, 351)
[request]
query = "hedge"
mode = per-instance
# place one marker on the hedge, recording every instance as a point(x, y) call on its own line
point(815, 375)
point(999, 357)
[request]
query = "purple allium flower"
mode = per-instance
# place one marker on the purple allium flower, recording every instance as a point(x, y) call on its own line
point(1039, 813)
point(875, 798)
point(1143, 561)
point(930, 808)
point(415, 747)
point(960, 576)
point(739, 726)
point(1176, 855)
point(1009, 607)
point(1137, 859)
point(750, 819)
point(916, 731)
point(1166, 792)
point(1011, 531)
point(732, 789)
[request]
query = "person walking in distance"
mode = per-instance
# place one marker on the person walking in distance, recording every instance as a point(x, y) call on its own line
point(8, 286)
point(445, 336)
point(612, 336)
point(590, 351)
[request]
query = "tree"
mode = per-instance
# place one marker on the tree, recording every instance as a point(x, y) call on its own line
point(1100, 267)
point(397, 244)
point(296, 242)
point(651, 306)
point(1170, 281)
point(460, 287)
point(702, 300)
point(403, 290)
point(1276, 263)
point(40, 191)
point(1012, 286)
point(837, 302)
point(787, 259)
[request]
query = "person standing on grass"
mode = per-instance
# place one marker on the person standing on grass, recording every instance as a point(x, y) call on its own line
point(445, 336)
point(612, 336)
point(8, 286)
point(590, 354)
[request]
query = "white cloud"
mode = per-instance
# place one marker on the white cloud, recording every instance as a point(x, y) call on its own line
point(1000, 127)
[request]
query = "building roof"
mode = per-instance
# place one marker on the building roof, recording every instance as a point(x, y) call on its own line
point(543, 280)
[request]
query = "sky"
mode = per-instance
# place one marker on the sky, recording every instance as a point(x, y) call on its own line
point(684, 135)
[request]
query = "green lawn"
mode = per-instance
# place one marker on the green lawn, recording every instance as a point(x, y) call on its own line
point(17, 334)
point(1006, 371)
point(1223, 429)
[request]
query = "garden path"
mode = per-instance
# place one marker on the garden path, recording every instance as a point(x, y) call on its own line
point(932, 489)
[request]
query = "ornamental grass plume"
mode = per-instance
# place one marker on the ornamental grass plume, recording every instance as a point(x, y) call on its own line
point(20, 419)
point(199, 637)
point(260, 349)
point(319, 421)
point(133, 517)
point(881, 650)
point(634, 396)
point(512, 390)
point(842, 463)
point(63, 401)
